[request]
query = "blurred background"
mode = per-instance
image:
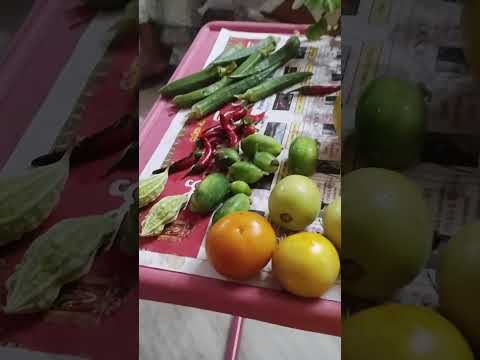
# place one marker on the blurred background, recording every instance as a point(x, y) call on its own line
point(11, 18)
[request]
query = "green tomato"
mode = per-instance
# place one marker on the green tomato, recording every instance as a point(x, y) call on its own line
point(459, 281)
point(386, 232)
point(402, 332)
point(295, 202)
point(390, 123)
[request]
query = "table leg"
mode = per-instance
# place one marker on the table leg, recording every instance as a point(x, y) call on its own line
point(233, 342)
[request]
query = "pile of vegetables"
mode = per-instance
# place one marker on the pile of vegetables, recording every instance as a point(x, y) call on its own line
point(236, 157)
point(238, 73)
point(234, 174)
point(225, 195)
point(236, 122)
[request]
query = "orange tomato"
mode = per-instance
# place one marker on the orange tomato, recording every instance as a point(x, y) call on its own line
point(240, 244)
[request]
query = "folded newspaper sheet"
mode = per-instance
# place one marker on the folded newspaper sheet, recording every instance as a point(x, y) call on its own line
point(288, 115)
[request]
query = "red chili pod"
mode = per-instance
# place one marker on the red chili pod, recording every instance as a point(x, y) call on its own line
point(229, 129)
point(213, 130)
point(234, 115)
point(253, 119)
point(317, 90)
point(248, 130)
point(205, 160)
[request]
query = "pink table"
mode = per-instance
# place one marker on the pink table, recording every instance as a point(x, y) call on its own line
point(251, 302)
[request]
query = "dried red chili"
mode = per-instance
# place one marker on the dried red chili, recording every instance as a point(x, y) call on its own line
point(229, 129)
point(253, 119)
point(317, 90)
point(214, 130)
point(247, 130)
point(205, 160)
point(234, 115)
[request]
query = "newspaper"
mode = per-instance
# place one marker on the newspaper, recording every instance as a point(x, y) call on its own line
point(421, 41)
point(287, 116)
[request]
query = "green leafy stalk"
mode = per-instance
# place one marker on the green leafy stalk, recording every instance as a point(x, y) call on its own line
point(325, 13)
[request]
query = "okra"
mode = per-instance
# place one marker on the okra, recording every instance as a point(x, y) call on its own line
point(277, 59)
point(229, 51)
point(227, 94)
point(187, 100)
point(273, 86)
point(246, 52)
point(196, 80)
point(254, 59)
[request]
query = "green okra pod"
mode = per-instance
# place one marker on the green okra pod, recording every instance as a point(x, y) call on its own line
point(244, 53)
point(227, 94)
point(277, 59)
point(189, 99)
point(273, 86)
point(197, 80)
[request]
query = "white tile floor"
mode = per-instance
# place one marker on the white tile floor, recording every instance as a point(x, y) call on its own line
point(170, 332)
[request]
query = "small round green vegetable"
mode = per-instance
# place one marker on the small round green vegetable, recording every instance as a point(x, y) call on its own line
point(303, 156)
point(245, 171)
point(240, 187)
point(258, 142)
point(226, 157)
point(210, 193)
point(266, 161)
point(238, 202)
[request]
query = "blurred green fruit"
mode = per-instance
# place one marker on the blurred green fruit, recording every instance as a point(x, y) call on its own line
point(459, 281)
point(390, 123)
point(386, 230)
point(402, 332)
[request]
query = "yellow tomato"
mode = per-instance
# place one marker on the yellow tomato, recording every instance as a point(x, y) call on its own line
point(306, 264)
point(337, 114)
point(239, 245)
point(332, 222)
